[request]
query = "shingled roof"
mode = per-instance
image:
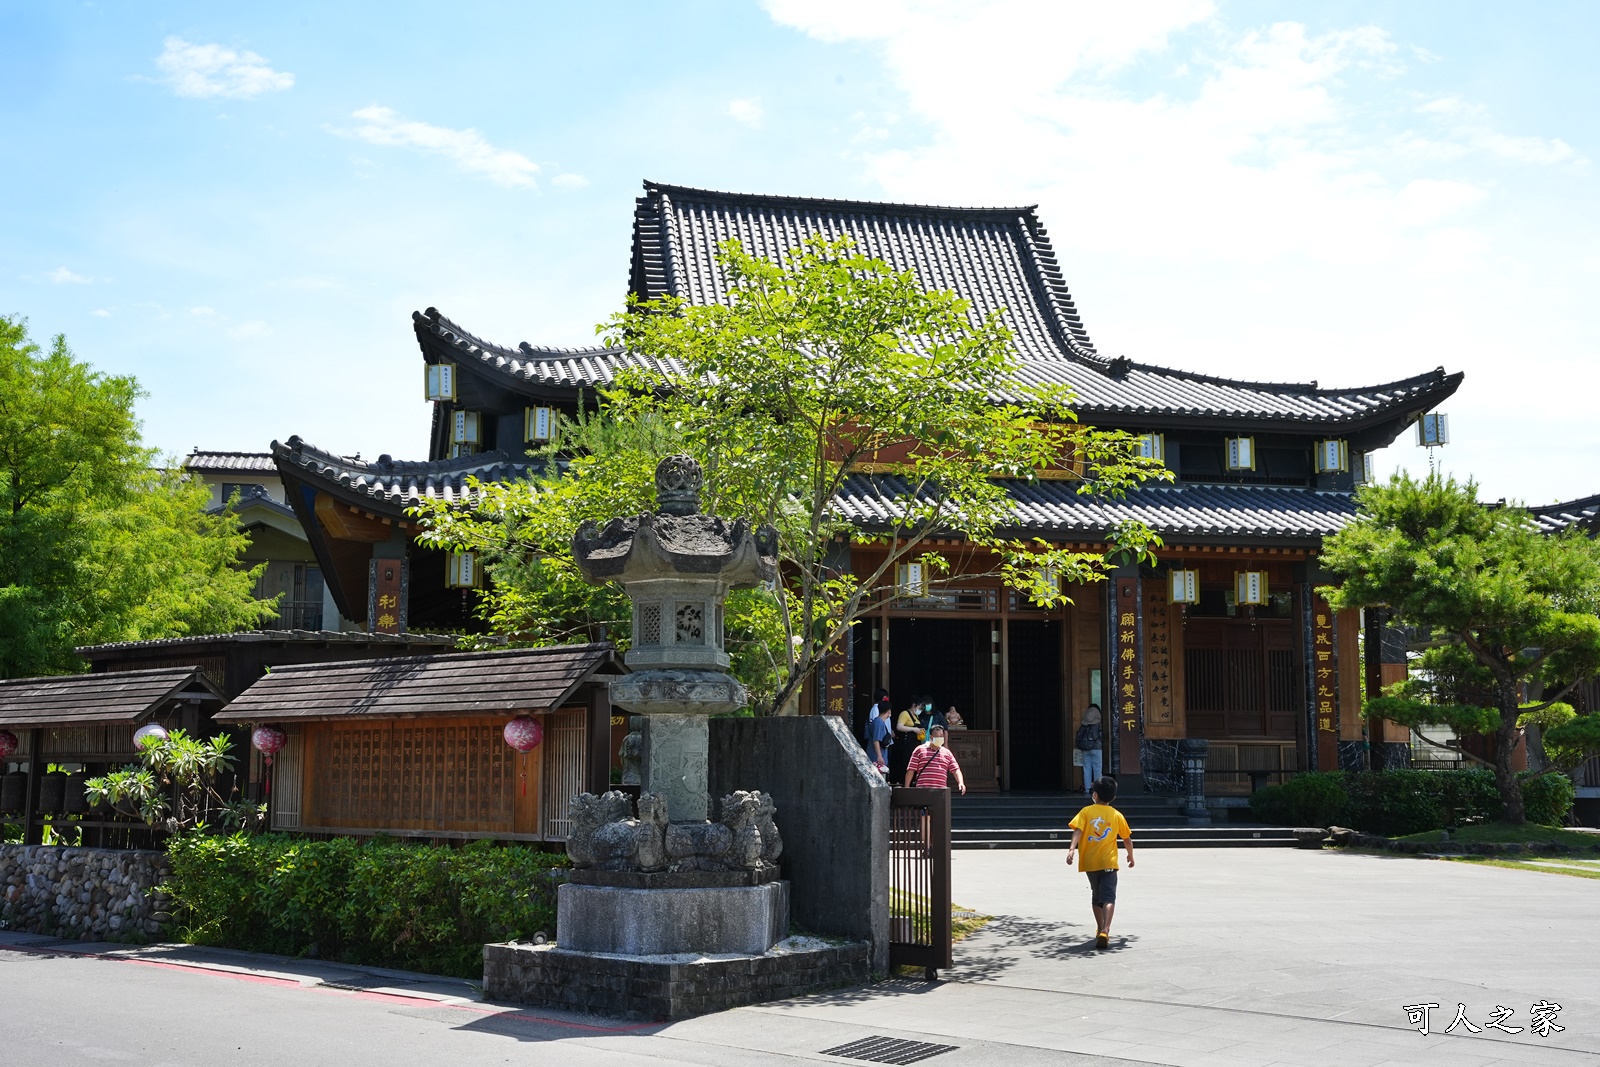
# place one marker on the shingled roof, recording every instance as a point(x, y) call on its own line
point(394, 485)
point(1583, 513)
point(113, 697)
point(475, 683)
point(1202, 512)
point(252, 462)
point(1000, 259)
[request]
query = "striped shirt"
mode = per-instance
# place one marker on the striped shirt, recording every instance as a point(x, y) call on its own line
point(931, 767)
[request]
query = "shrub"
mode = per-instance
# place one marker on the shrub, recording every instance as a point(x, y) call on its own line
point(379, 901)
point(1311, 799)
point(1403, 802)
point(1547, 798)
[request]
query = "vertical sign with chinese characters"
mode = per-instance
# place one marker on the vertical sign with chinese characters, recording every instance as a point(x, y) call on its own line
point(386, 596)
point(1158, 691)
point(1129, 675)
point(1325, 684)
point(836, 689)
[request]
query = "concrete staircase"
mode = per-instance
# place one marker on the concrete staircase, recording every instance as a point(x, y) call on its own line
point(1039, 820)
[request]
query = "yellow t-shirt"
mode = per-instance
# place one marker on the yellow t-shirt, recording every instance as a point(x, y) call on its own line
point(908, 719)
point(1101, 825)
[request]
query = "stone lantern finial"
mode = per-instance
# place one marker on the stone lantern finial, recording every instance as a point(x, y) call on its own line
point(678, 481)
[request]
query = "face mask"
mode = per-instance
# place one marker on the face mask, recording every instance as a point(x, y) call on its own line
point(937, 742)
point(927, 707)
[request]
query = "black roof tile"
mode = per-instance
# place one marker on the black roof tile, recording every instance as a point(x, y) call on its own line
point(395, 484)
point(1583, 513)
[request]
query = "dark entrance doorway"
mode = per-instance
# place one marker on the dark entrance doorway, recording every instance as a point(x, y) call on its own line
point(1241, 679)
point(945, 661)
point(1036, 712)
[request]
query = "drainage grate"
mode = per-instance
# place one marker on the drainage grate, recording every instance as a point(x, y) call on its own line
point(889, 1050)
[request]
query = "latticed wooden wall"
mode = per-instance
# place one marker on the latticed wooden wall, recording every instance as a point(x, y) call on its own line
point(454, 776)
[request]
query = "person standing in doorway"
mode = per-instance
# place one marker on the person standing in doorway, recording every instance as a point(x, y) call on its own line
point(909, 732)
point(880, 735)
point(1095, 830)
point(1089, 741)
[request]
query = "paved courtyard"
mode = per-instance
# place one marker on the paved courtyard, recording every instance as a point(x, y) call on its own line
point(1235, 957)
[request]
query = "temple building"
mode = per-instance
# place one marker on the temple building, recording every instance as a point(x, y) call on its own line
point(1223, 639)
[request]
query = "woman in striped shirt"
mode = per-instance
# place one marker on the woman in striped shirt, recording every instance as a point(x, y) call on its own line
point(932, 764)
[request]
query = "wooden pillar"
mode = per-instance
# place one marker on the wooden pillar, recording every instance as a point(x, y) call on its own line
point(1004, 723)
point(32, 823)
point(1067, 642)
point(598, 739)
point(1385, 665)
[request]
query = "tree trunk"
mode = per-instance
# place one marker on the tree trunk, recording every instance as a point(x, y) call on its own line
point(1505, 743)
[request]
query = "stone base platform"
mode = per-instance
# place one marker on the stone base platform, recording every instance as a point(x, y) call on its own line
point(747, 919)
point(670, 986)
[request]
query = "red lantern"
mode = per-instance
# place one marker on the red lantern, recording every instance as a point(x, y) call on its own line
point(524, 733)
point(268, 740)
point(8, 743)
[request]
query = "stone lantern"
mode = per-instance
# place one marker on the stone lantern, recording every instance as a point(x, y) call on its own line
point(677, 567)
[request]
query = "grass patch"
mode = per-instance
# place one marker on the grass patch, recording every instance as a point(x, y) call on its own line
point(1503, 834)
point(1570, 868)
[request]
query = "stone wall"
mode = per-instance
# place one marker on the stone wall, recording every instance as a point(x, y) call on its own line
point(91, 893)
point(833, 813)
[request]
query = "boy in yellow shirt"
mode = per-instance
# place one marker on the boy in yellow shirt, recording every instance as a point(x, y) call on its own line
point(1095, 830)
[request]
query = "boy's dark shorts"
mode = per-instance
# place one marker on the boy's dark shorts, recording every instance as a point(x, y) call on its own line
point(1103, 885)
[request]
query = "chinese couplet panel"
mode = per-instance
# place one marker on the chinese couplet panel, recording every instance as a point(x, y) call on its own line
point(1323, 664)
point(1128, 674)
point(387, 581)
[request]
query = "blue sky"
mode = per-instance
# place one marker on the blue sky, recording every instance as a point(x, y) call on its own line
point(243, 204)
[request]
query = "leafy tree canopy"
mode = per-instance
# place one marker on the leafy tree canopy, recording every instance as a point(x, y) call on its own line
point(96, 544)
point(816, 368)
point(1502, 606)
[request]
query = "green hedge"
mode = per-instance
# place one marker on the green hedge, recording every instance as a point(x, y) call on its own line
point(1403, 802)
point(377, 901)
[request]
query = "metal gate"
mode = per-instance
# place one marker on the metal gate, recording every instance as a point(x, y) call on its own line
point(919, 879)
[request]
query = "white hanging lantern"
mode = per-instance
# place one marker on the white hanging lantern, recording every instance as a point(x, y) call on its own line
point(1364, 468)
point(149, 733)
point(440, 381)
point(1241, 453)
point(1185, 586)
point(462, 571)
point(1333, 456)
point(540, 424)
point(1433, 429)
point(1250, 587)
point(911, 580)
point(466, 428)
point(1152, 446)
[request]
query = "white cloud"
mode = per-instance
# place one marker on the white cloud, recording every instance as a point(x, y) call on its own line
point(746, 111)
point(250, 330)
point(203, 312)
point(569, 181)
point(100, 313)
point(207, 70)
point(1284, 210)
point(64, 276)
point(467, 148)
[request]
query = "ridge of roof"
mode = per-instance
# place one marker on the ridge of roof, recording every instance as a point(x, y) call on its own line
point(364, 637)
point(440, 325)
point(1437, 376)
point(301, 453)
point(837, 202)
point(455, 658)
point(222, 459)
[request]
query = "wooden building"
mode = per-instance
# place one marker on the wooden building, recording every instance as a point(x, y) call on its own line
point(413, 746)
point(1264, 472)
point(84, 725)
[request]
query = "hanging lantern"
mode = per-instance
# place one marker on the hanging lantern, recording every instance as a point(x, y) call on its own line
point(148, 733)
point(440, 382)
point(1185, 587)
point(524, 733)
point(8, 743)
point(1433, 429)
point(268, 740)
point(1333, 456)
point(1241, 453)
point(1250, 587)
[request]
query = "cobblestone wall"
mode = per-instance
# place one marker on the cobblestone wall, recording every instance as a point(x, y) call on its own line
point(91, 893)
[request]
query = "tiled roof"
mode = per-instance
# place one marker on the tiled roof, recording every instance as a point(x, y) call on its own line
point(256, 496)
point(473, 683)
point(998, 258)
point(1584, 514)
point(254, 462)
point(395, 484)
point(1191, 510)
point(245, 637)
point(118, 696)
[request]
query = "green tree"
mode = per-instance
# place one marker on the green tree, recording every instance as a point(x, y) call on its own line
point(175, 785)
point(96, 544)
point(1502, 606)
point(813, 369)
